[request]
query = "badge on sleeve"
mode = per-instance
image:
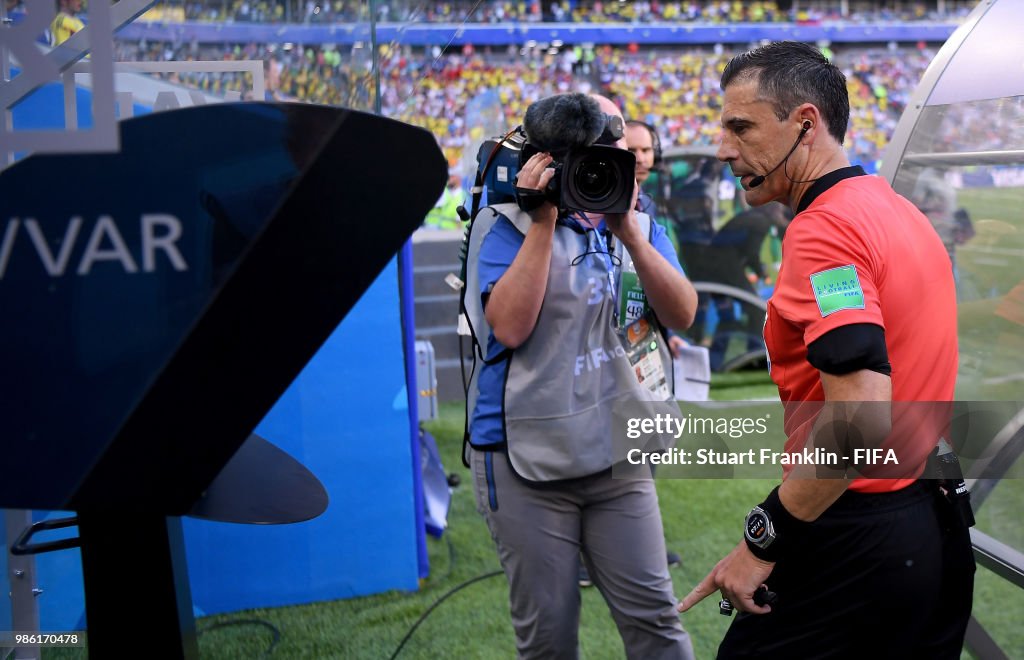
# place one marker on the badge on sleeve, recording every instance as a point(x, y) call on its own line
point(837, 289)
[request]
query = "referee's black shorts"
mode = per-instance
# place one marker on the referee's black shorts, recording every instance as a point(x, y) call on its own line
point(881, 576)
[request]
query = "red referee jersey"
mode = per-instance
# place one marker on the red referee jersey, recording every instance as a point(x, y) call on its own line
point(860, 253)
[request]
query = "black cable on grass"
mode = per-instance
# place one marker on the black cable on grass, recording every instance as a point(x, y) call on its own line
point(440, 600)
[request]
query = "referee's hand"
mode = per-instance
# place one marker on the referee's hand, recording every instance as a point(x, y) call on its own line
point(738, 575)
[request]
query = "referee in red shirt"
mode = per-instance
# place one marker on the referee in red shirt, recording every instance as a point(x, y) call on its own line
point(864, 312)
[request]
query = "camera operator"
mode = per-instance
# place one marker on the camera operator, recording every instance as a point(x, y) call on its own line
point(558, 357)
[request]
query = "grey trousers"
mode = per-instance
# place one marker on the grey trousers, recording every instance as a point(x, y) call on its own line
point(540, 532)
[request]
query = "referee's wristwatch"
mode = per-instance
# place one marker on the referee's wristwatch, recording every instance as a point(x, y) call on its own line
point(771, 532)
point(758, 530)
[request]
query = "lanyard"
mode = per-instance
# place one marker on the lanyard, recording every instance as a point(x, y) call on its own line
point(605, 251)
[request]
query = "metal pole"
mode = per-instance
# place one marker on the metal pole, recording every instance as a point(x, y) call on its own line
point(137, 593)
point(375, 58)
point(6, 158)
point(21, 574)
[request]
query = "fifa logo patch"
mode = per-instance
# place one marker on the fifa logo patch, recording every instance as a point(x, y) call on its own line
point(837, 289)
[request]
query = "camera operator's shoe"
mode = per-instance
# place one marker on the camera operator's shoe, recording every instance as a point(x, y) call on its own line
point(673, 559)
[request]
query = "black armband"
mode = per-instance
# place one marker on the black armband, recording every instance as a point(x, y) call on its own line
point(850, 348)
point(771, 532)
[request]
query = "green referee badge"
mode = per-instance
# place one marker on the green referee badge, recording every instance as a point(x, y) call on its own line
point(836, 289)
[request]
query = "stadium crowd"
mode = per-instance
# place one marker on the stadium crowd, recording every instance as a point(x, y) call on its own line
point(451, 94)
point(574, 11)
point(465, 96)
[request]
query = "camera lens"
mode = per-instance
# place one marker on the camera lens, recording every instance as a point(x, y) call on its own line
point(596, 179)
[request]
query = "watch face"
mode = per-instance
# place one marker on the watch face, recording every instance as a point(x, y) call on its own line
point(758, 527)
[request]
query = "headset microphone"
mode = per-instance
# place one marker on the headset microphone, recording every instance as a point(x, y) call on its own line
point(759, 179)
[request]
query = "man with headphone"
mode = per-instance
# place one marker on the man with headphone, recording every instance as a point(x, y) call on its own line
point(643, 141)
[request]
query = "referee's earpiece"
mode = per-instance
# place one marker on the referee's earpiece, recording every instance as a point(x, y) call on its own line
point(808, 125)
